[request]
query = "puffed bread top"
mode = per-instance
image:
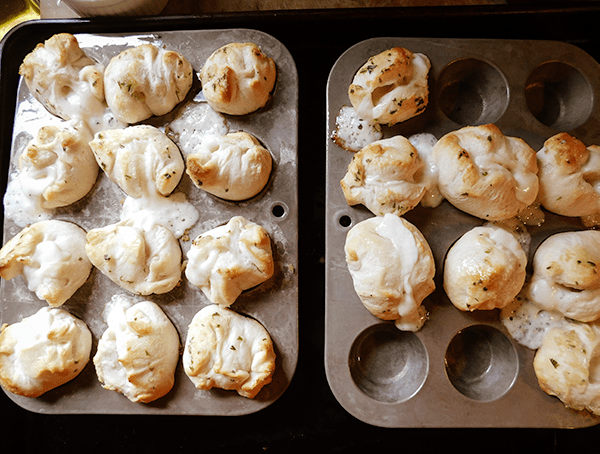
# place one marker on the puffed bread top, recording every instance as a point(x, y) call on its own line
point(142, 259)
point(43, 351)
point(484, 269)
point(485, 173)
point(138, 353)
point(238, 79)
point(51, 257)
point(392, 269)
point(566, 275)
point(229, 259)
point(58, 165)
point(228, 350)
point(141, 159)
point(565, 365)
point(569, 174)
point(63, 78)
point(234, 166)
point(381, 176)
point(146, 80)
point(391, 86)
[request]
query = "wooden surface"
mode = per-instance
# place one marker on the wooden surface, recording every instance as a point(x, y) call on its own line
point(56, 9)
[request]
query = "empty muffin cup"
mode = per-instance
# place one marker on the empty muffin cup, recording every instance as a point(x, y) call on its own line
point(472, 92)
point(559, 96)
point(387, 364)
point(481, 362)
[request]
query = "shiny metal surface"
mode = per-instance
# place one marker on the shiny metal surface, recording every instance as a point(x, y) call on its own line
point(472, 82)
point(273, 303)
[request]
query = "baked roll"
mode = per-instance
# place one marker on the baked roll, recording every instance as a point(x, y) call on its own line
point(238, 79)
point(381, 177)
point(138, 352)
point(43, 351)
point(226, 350)
point(65, 80)
point(58, 168)
point(146, 80)
point(141, 260)
point(565, 365)
point(484, 269)
point(566, 275)
point(569, 174)
point(141, 159)
point(51, 257)
point(234, 167)
point(229, 259)
point(392, 269)
point(485, 173)
point(391, 87)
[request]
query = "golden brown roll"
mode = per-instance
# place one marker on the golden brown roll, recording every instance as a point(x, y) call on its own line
point(391, 86)
point(484, 269)
point(569, 174)
point(146, 80)
point(228, 350)
point(485, 173)
point(238, 78)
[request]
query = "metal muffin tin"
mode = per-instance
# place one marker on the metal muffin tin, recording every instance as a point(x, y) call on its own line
point(461, 369)
point(274, 303)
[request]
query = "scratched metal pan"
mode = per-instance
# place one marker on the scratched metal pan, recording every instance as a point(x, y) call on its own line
point(273, 303)
point(461, 369)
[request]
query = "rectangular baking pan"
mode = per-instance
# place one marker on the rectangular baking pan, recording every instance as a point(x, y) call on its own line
point(395, 380)
point(273, 303)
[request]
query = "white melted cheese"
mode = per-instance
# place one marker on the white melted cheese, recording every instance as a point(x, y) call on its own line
point(428, 176)
point(47, 257)
point(527, 323)
point(22, 205)
point(354, 133)
point(175, 212)
point(193, 123)
point(404, 242)
point(200, 268)
point(81, 104)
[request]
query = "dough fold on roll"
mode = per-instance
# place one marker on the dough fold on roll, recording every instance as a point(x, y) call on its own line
point(234, 166)
point(566, 365)
point(229, 259)
point(228, 350)
point(392, 269)
point(238, 79)
point(391, 86)
point(569, 174)
point(485, 173)
point(566, 275)
point(138, 352)
point(485, 269)
point(146, 80)
point(52, 258)
point(43, 351)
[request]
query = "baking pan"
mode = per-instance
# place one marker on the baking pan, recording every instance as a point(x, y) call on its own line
point(273, 303)
point(461, 369)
